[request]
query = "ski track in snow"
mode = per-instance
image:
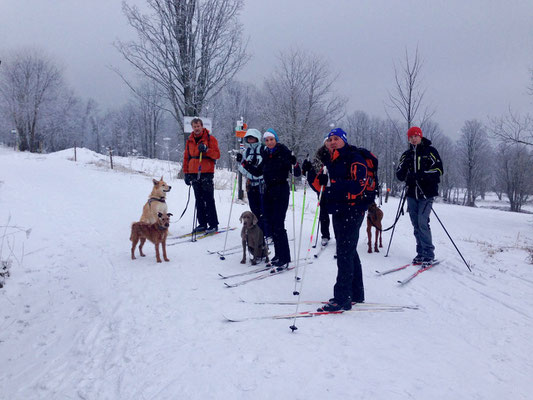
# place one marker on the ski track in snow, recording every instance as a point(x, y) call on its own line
point(80, 320)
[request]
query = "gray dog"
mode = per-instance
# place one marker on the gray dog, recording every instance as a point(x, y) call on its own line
point(252, 239)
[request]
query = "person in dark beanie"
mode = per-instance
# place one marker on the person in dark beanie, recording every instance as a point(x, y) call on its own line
point(345, 184)
point(201, 142)
point(421, 168)
point(255, 185)
point(276, 164)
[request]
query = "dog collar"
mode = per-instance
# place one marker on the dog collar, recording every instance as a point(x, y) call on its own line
point(161, 199)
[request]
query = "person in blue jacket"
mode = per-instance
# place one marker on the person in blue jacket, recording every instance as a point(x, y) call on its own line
point(345, 183)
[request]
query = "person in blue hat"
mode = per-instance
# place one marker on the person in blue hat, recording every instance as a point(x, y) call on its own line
point(276, 164)
point(344, 186)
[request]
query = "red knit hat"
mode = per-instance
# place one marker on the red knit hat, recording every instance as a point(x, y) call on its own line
point(414, 131)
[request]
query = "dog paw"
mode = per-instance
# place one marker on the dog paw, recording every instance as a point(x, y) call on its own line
point(370, 250)
point(243, 261)
point(166, 259)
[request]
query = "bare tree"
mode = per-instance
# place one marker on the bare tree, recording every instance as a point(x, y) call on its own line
point(300, 100)
point(473, 149)
point(29, 84)
point(513, 173)
point(408, 96)
point(513, 128)
point(190, 48)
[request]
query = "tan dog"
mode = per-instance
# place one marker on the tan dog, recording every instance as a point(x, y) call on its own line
point(252, 238)
point(156, 202)
point(155, 233)
point(373, 219)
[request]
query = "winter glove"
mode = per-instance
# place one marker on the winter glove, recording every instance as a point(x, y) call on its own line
point(202, 148)
point(293, 160)
point(322, 179)
point(306, 166)
point(238, 157)
point(188, 179)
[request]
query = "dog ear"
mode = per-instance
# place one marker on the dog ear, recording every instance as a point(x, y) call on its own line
point(254, 219)
point(240, 218)
point(159, 214)
point(161, 180)
point(169, 214)
point(155, 182)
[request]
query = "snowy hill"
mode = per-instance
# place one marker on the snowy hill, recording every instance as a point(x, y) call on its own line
point(80, 319)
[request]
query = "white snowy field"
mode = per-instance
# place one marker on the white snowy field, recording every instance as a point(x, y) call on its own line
point(80, 320)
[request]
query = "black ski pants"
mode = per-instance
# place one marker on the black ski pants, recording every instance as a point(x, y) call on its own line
point(349, 282)
point(204, 192)
point(323, 217)
point(256, 202)
point(276, 202)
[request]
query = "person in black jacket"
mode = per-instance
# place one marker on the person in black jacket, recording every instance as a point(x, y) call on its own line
point(277, 161)
point(344, 185)
point(321, 157)
point(421, 168)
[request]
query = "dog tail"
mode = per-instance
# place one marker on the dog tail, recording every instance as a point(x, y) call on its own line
point(131, 234)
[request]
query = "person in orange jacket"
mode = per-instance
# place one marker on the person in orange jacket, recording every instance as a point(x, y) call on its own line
point(200, 175)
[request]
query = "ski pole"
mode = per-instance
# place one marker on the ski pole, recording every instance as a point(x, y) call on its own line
point(400, 207)
point(301, 230)
point(194, 222)
point(317, 230)
point(293, 327)
point(445, 230)
point(293, 208)
point(295, 292)
point(229, 218)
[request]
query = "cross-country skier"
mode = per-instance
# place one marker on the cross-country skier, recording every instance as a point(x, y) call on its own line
point(421, 168)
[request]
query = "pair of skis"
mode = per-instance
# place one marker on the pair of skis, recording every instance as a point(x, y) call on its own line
point(358, 307)
point(263, 273)
point(185, 238)
point(422, 268)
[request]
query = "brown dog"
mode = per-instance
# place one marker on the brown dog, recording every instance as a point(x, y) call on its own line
point(155, 233)
point(156, 202)
point(252, 238)
point(373, 219)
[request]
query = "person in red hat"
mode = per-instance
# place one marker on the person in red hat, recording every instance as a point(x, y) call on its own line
point(421, 168)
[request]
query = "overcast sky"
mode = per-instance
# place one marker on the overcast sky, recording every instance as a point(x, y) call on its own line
point(477, 54)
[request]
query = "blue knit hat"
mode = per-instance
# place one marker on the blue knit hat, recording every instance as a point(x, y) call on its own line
point(271, 132)
point(340, 133)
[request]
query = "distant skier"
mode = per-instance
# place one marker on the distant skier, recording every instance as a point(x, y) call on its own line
point(321, 157)
point(421, 168)
point(345, 188)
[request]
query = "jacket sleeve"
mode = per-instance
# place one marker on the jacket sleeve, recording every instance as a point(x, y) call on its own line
point(213, 151)
point(186, 158)
point(255, 170)
point(435, 170)
point(403, 166)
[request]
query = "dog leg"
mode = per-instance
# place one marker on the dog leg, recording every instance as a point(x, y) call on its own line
point(157, 256)
point(141, 247)
point(243, 261)
point(369, 234)
point(380, 242)
point(376, 242)
point(164, 247)
point(133, 246)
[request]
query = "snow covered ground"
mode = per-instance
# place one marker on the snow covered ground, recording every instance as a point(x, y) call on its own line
point(80, 320)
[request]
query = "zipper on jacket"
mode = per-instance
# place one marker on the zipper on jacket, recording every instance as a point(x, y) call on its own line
point(414, 162)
